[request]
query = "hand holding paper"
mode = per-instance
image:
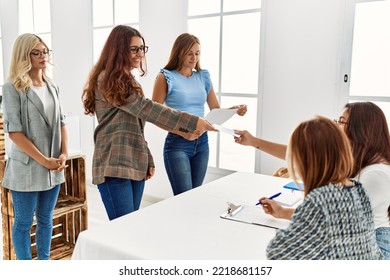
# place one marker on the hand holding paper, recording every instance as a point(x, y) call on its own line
point(220, 116)
point(225, 130)
point(202, 125)
point(244, 138)
point(241, 109)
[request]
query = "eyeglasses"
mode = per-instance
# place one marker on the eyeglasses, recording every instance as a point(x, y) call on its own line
point(38, 54)
point(341, 120)
point(135, 50)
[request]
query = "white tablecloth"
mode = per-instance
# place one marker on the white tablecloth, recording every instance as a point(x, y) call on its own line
point(187, 226)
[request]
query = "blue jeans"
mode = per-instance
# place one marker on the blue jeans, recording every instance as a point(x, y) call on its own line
point(383, 240)
point(41, 203)
point(121, 196)
point(185, 161)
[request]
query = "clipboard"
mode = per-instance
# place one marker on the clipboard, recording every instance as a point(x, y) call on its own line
point(253, 215)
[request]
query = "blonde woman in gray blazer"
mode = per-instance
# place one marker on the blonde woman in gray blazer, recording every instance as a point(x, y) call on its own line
point(36, 128)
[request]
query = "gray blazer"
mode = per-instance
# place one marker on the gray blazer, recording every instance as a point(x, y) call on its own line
point(24, 112)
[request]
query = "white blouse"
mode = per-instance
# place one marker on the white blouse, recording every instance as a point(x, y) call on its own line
point(375, 179)
point(47, 100)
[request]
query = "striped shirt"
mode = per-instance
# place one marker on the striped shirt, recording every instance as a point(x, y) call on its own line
point(333, 222)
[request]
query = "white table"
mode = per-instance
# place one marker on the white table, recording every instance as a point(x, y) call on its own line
point(187, 226)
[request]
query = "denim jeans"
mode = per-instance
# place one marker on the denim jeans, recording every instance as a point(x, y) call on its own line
point(185, 161)
point(383, 240)
point(41, 203)
point(121, 196)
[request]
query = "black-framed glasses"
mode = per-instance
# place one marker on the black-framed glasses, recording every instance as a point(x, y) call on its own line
point(38, 53)
point(135, 50)
point(341, 120)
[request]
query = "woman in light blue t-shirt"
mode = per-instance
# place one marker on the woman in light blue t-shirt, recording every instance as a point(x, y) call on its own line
point(184, 86)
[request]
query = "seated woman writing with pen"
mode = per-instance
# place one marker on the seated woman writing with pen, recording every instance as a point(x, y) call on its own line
point(366, 127)
point(335, 220)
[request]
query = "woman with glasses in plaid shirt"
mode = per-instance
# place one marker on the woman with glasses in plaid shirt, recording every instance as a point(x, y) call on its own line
point(122, 160)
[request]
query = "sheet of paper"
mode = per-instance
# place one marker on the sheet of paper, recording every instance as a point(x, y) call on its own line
point(225, 130)
point(219, 116)
point(290, 197)
point(255, 215)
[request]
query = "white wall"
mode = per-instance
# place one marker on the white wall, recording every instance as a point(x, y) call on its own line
point(300, 74)
point(160, 23)
point(73, 58)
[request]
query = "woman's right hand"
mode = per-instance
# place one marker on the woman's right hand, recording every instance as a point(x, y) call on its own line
point(55, 164)
point(245, 138)
point(274, 209)
point(202, 125)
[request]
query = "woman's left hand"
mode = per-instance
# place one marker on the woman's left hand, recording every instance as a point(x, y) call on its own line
point(150, 173)
point(191, 136)
point(242, 109)
point(61, 161)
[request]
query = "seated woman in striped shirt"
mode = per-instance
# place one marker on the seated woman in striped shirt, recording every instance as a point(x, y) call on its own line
point(335, 220)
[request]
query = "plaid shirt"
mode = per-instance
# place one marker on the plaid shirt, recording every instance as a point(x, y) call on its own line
point(120, 147)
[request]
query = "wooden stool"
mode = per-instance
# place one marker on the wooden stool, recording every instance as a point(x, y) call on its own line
point(2, 139)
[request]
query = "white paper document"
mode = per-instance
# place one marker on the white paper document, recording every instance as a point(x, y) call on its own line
point(290, 198)
point(255, 215)
point(225, 130)
point(219, 116)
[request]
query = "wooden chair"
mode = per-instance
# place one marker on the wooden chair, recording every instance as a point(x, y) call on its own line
point(281, 172)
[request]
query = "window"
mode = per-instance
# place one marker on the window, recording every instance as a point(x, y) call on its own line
point(109, 13)
point(34, 17)
point(232, 58)
point(370, 67)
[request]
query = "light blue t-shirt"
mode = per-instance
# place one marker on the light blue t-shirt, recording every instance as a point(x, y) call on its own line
point(187, 94)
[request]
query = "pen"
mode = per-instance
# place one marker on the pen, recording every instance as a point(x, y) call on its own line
point(271, 197)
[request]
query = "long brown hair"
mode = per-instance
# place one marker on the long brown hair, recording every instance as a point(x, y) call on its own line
point(117, 82)
point(180, 48)
point(368, 133)
point(319, 153)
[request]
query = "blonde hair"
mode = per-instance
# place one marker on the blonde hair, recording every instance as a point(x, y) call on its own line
point(319, 153)
point(21, 61)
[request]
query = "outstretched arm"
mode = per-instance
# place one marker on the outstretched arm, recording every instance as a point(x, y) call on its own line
point(272, 148)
